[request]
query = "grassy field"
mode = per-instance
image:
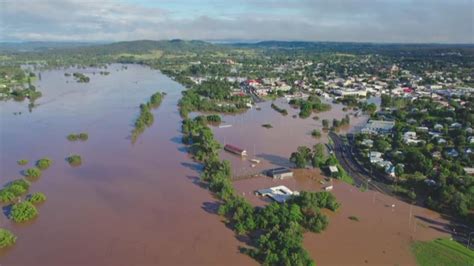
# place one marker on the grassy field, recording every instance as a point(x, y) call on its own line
point(442, 252)
point(155, 54)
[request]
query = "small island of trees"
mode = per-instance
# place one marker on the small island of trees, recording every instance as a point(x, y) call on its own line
point(81, 78)
point(312, 104)
point(7, 238)
point(74, 160)
point(13, 190)
point(33, 172)
point(22, 162)
point(83, 136)
point(278, 109)
point(145, 119)
point(44, 163)
point(36, 198)
point(23, 212)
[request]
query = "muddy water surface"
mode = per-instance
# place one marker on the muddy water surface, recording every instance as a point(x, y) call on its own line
point(274, 146)
point(126, 204)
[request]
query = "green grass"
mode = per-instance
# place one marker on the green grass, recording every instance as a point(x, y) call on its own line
point(442, 252)
point(344, 176)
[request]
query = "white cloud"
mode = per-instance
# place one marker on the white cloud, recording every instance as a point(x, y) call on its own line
point(335, 20)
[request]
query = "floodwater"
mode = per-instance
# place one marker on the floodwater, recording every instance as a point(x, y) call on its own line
point(383, 234)
point(135, 204)
point(126, 204)
point(274, 146)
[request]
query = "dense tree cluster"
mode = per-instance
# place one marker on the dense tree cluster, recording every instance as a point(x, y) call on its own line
point(13, 190)
point(312, 104)
point(32, 172)
point(36, 198)
point(44, 163)
point(74, 160)
point(23, 211)
point(7, 238)
point(145, 119)
point(211, 96)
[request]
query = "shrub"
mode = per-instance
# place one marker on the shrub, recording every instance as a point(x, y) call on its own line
point(353, 218)
point(7, 238)
point(22, 162)
point(316, 133)
point(44, 163)
point(23, 211)
point(74, 160)
point(6, 195)
point(32, 172)
point(37, 197)
point(267, 126)
point(83, 136)
point(14, 189)
point(72, 137)
point(216, 119)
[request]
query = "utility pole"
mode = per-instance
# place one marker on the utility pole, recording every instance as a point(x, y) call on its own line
point(469, 240)
point(409, 215)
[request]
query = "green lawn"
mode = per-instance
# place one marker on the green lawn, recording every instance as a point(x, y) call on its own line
point(442, 252)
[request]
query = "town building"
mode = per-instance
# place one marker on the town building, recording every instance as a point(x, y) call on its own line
point(280, 173)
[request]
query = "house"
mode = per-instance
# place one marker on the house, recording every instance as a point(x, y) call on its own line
point(436, 155)
point(378, 127)
point(333, 170)
point(280, 173)
point(438, 127)
point(422, 129)
point(469, 170)
point(368, 143)
point(456, 125)
point(470, 140)
point(375, 156)
point(452, 153)
point(279, 193)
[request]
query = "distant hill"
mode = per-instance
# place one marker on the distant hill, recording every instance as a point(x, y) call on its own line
point(139, 46)
point(40, 46)
point(353, 47)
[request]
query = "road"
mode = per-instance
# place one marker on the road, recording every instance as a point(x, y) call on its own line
point(355, 170)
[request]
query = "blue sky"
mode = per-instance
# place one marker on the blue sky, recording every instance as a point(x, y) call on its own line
point(413, 21)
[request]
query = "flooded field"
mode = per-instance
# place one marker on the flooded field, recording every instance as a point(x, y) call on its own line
point(126, 204)
point(382, 236)
point(273, 146)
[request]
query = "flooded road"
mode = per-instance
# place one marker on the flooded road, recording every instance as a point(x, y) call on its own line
point(126, 204)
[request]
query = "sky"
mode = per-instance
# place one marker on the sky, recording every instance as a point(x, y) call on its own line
point(389, 21)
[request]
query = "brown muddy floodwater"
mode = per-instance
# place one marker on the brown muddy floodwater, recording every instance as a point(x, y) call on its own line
point(383, 234)
point(274, 146)
point(126, 204)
